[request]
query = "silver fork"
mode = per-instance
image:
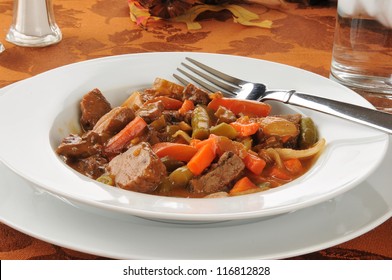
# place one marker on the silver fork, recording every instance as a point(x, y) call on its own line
point(234, 87)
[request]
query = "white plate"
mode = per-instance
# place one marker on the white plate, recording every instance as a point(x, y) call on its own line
point(314, 228)
point(37, 113)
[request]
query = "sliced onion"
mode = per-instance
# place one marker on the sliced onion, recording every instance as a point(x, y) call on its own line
point(286, 153)
point(273, 153)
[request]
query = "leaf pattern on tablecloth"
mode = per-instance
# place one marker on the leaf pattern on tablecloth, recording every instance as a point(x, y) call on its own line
point(337, 253)
point(111, 17)
point(67, 18)
point(262, 44)
point(305, 30)
point(110, 9)
point(11, 239)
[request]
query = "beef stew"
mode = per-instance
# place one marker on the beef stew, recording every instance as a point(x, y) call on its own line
point(180, 141)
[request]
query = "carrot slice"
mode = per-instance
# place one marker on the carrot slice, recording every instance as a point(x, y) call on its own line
point(293, 165)
point(168, 102)
point(187, 105)
point(254, 163)
point(278, 173)
point(245, 129)
point(178, 151)
point(246, 107)
point(242, 185)
point(122, 138)
point(194, 142)
point(211, 140)
point(202, 159)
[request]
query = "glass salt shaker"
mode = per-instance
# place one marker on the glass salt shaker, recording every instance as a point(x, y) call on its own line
point(33, 24)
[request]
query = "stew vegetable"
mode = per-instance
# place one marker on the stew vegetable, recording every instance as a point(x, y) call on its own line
point(181, 141)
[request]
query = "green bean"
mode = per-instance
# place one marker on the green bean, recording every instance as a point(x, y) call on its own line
point(200, 123)
point(224, 129)
point(181, 177)
point(308, 133)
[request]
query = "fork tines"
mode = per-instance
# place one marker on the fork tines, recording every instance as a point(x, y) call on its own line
point(209, 78)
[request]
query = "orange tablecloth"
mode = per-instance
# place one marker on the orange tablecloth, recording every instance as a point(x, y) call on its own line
point(301, 36)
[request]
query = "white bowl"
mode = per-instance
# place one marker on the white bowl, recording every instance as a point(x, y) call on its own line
point(37, 113)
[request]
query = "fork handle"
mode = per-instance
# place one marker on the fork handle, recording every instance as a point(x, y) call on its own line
point(370, 117)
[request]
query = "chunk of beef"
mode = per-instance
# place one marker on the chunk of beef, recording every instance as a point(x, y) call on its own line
point(173, 116)
point(92, 166)
point(220, 178)
point(267, 142)
point(138, 169)
point(76, 146)
point(152, 136)
point(151, 93)
point(113, 121)
point(151, 111)
point(93, 106)
point(195, 94)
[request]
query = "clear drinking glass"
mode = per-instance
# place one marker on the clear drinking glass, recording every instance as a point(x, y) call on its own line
point(1, 47)
point(362, 50)
point(33, 24)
